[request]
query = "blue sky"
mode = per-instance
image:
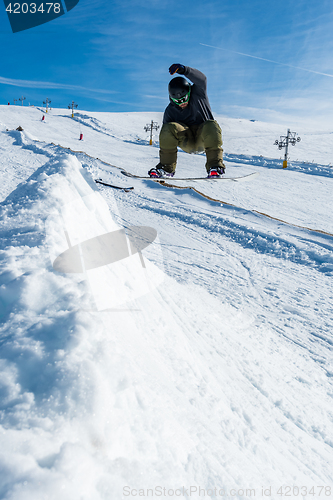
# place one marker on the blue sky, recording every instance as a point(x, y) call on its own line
point(114, 56)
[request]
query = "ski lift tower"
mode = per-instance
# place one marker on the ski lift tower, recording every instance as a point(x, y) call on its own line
point(284, 142)
point(47, 102)
point(22, 99)
point(150, 127)
point(72, 106)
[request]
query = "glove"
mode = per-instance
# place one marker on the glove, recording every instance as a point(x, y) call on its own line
point(177, 68)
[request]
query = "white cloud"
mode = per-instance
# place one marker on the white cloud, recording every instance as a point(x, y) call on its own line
point(49, 85)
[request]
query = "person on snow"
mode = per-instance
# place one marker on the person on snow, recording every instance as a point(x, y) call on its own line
point(188, 122)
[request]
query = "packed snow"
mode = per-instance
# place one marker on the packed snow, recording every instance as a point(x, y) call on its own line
point(197, 361)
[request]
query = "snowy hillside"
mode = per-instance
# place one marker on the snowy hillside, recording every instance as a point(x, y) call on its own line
point(195, 362)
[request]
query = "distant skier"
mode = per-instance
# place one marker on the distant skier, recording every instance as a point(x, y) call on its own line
point(188, 122)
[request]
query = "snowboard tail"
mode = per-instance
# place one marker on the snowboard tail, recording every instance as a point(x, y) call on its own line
point(126, 189)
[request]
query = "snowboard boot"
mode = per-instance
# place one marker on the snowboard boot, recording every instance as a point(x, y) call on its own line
point(160, 172)
point(216, 172)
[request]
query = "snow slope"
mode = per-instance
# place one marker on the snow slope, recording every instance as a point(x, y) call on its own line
point(202, 367)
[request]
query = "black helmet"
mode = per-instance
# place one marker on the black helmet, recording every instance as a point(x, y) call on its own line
point(179, 90)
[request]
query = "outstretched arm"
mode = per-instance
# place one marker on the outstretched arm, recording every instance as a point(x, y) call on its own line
point(192, 74)
point(196, 77)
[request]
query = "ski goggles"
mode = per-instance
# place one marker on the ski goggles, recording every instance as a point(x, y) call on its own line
point(183, 99)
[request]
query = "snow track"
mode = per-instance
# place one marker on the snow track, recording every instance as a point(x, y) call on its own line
point(210, 366)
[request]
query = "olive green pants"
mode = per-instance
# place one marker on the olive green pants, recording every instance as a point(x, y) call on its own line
point(205, 137)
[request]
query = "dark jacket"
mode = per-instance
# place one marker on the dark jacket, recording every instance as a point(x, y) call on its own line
point(198, 109)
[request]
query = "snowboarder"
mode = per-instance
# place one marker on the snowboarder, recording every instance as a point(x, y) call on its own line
point(188, 122)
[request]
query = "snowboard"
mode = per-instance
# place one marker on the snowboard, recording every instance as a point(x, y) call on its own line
point(172, 179)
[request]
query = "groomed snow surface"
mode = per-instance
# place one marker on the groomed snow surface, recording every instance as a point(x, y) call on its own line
point(199, 366)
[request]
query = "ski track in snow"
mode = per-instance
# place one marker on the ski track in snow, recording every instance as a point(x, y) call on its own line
point(206, 258)
point(221, 376)
point(296, 166)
